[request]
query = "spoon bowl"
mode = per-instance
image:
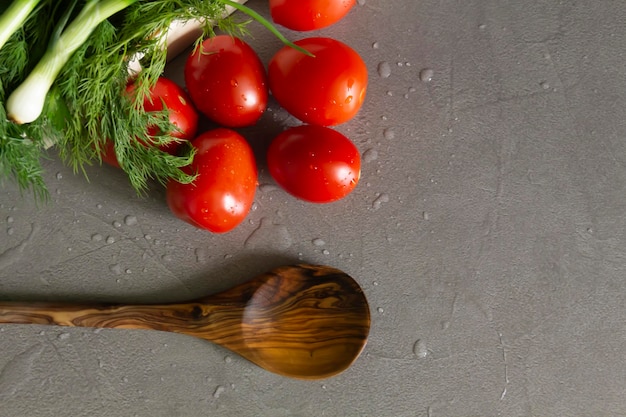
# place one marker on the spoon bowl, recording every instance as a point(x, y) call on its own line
point(300, 321)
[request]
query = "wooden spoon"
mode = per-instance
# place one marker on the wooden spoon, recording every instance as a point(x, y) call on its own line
point(301, 321)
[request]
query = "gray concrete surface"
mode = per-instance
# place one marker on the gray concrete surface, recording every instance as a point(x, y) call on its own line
point(488, 231)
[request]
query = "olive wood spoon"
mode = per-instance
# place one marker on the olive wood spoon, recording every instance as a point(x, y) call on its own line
point(300, 321)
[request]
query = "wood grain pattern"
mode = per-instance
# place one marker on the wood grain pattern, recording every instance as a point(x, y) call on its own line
point(301, 321)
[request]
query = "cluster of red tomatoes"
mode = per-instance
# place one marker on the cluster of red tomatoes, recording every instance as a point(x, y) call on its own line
point(227, 82)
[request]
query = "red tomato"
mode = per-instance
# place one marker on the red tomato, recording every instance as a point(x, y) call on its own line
point(165, 94)
point(305, 15)
point(227, 81)
point(327, 89)
point(314, 163)
point(223, 192)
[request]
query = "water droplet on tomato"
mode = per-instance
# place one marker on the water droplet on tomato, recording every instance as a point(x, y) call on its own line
point(234, 83)
point(348, 99)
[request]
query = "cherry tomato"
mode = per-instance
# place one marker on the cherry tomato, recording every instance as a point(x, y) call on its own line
point(314, 163)
point(165, 94)
point(306, 15)
point(221, 196)
point(227, 81)
point(325, 89)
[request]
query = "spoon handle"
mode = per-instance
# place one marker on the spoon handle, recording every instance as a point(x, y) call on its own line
point(171, 317)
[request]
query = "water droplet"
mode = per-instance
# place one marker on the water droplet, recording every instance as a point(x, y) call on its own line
point(482, 26)
point(370, 155)
point(380, 310)
point(97, 237)
point(378, 202)
point(130, 220)
point(116, 224)
point(389, 134)
point(59, 176)
point(201, 255)
point(375, 283)
point(318, 242)
point(266, 188)
point(218, 391)
point(116, 269)
point(269, 234)
point(545, 85)
point(110, 240)
point(166, 257)
point(384, 69)
point(420, 349)
point(426, 215)
point(228, 359)
point(375, 45)
point(426, 75)
point(63, 336)
point(234, 83)
point(326, 252)
point(10, 219)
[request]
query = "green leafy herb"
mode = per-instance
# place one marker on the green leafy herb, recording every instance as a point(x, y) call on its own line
point(80, 75)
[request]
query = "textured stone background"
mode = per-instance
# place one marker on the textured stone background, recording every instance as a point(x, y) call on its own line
point(488, 231)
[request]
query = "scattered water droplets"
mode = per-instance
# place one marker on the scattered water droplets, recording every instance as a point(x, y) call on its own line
point(116, 269)
point(420, 350)
point(201, 255)
point(389, 134)
point(218, 391)
point(269, 234)
point(130, 220)
point(426, 75)
point(380, 200)
point(384, 69)
point(370, 155)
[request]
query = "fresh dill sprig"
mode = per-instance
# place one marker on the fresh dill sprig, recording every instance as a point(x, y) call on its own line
point(87, 105)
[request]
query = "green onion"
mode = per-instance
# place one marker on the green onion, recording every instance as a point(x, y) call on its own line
point(13, 18)
point(26, 103)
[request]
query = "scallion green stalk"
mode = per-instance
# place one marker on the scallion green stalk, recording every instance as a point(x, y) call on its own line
point(26, 103)
point(13, 18)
